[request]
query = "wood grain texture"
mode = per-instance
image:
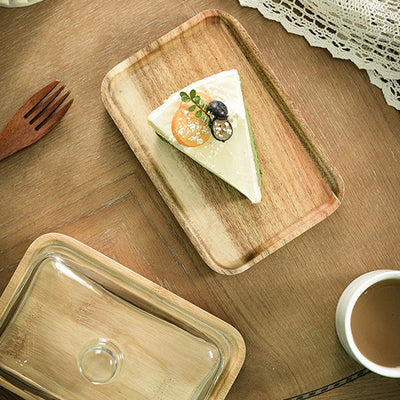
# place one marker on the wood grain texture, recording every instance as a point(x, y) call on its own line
point(300, 187)
point(83, 180)
point(167, 347)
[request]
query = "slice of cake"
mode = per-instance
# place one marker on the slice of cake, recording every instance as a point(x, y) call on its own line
point(208, 121)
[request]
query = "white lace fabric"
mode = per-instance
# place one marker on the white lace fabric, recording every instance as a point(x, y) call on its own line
point(366, 32)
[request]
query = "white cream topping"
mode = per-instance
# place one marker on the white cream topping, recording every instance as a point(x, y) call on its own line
point(233, 160)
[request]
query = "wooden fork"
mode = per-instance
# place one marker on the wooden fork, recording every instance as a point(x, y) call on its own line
point(33, 120)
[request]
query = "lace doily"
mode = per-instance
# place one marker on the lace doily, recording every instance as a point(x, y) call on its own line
point(366, 32)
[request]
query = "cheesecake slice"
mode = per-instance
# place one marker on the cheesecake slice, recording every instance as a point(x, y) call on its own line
point(234, 160)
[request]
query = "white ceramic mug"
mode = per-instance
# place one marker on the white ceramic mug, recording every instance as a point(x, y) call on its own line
point(343, 318)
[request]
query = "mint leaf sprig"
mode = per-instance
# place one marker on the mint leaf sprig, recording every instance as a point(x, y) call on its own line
point(198, 102)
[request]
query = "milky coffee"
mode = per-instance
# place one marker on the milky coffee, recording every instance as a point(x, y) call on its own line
point(375, 323)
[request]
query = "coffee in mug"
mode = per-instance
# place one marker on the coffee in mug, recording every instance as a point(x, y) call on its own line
point(375, 323)
point(368, 321)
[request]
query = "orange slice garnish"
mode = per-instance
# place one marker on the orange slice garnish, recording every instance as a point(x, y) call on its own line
point(188, 129)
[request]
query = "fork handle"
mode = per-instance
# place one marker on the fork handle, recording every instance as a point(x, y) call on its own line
point(10, 142)
point(7, 145)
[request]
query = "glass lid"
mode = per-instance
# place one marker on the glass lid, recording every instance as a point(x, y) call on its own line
point(77, 328)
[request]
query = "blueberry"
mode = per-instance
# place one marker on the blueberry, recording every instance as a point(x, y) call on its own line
point(218, 110)
point(221, 129)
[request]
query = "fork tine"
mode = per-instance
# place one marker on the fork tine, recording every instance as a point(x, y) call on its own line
point(36, 111)
point(50, 123)
point(49, 111)
point(37, 97)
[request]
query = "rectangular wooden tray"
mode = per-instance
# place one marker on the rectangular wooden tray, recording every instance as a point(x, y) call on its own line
point(66, 303)
point(300, 187)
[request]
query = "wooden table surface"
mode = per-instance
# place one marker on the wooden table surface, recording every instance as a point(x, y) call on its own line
point(83, 180)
